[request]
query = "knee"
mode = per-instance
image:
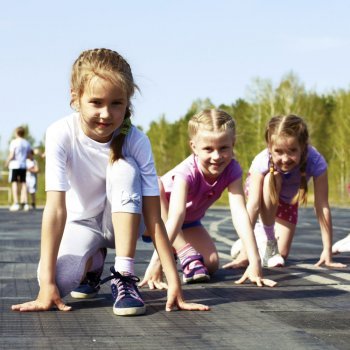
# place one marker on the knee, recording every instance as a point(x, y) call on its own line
point(125, 189)
point(212, 263)
point(70, 270)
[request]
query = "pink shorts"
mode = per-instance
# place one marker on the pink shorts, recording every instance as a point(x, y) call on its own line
point(288, 212)
point(285, 211)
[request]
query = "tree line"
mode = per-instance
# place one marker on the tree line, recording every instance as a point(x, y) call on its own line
point(327, 116)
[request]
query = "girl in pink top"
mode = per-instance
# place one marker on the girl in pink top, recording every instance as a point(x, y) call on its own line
point(189, 189)
point(277, 183)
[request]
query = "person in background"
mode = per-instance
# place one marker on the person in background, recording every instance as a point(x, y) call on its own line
point(32, 177)
point(16, 162)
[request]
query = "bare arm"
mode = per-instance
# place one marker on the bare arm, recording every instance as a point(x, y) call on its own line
point(156, 228)
point(254, 198)
point(54, 219)
point(9, 158)
point(241, 221)
point(242, 224)
point(324, 217)
point(173, 214)
point(177, 208)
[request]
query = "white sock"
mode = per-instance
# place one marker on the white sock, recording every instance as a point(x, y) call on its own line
point(124, 264)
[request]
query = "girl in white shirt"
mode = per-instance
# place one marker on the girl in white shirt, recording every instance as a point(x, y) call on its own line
point(101, 185)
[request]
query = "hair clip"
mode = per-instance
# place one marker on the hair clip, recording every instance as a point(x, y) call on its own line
point(272, 170)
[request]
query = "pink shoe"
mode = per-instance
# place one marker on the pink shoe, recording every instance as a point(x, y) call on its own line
point(194, 269)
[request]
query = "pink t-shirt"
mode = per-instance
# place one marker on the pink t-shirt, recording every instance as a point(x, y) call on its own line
point(201, 195)
point(315, 166)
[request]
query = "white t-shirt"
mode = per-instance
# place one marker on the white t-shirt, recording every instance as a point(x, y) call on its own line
point(31, 177)
point(77, 165)
point(20, 147)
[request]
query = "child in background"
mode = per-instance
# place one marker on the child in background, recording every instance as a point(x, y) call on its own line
point(100, 183)
point(32, 177)
point(16, 162)
point(189, 189)
point(276, 184)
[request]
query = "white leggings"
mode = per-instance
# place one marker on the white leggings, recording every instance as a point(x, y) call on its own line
point(82, 239)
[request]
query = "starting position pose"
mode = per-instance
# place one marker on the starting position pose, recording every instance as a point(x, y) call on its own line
point(100, 179)
point(276, 183)
point(189, 189)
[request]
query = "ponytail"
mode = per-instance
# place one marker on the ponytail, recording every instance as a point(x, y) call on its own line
point(301, 195)
point(272, 184)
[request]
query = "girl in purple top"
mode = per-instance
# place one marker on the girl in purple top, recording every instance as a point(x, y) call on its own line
point(189, 189)
point(277, 183)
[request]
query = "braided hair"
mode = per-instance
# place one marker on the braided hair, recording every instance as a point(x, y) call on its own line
point(211, 120)
point(292, 126)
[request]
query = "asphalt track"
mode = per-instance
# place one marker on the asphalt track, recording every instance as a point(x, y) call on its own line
point(308, 310)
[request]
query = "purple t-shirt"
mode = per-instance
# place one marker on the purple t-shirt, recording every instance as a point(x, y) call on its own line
point(201, 195)
point(315, 166)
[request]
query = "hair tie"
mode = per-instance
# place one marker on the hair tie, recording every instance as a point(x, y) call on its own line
point(126, 126)
point(272, 170)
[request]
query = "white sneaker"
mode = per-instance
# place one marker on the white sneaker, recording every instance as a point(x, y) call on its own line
point(236, 249)
point(15, 207)
point(342, 245)
point(270, 257)
point(26, 207)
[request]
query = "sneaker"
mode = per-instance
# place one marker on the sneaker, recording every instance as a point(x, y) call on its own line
point(26, 207)
point(127, 298)
point(194, 269)
point(342, 245)
point(236, 249)
point(270, 256)
point(90, 285)
point(15, 207)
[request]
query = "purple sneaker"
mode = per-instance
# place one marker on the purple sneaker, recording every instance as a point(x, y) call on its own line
point(127, 298)
point(194, 269)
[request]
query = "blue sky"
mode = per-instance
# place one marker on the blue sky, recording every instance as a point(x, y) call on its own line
point(179, 51)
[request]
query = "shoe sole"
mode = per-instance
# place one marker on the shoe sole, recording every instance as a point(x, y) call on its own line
point(78, 295)
point(280, 264)
point(277, 265)
point(196, 279)
point(132, 311)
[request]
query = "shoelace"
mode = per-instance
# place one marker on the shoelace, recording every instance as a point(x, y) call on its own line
point(125, 284)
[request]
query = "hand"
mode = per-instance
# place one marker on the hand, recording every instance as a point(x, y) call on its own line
point(175, 299)
point(154, 276)
point(254, 274)
point(236, 264)
point(326, 259)
point(47, 298)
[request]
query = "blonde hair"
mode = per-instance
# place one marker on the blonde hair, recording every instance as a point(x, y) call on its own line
point(290, 126)
point(111, 66)
point(211, 120)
